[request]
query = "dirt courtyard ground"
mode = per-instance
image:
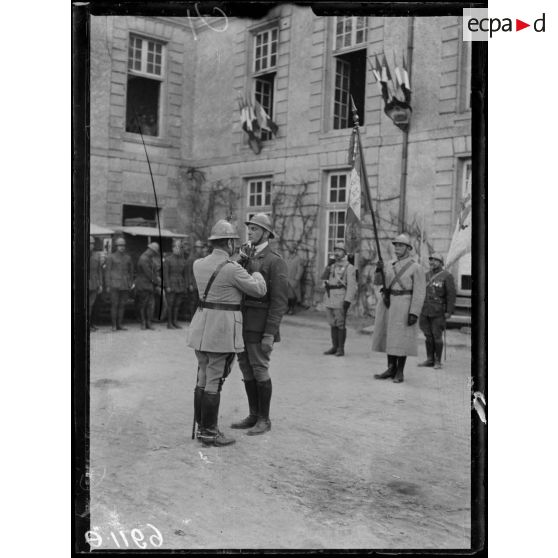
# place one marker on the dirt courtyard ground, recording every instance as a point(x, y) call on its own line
point(350, 462)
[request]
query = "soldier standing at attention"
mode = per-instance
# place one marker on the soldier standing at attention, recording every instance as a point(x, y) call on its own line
point(174, 273)
point(95, 279)
point(340, 291)
point(438, 307)
point(147, 281)
point(395, 326)
point(119, 273)
point(262, 317)
point(216, 328)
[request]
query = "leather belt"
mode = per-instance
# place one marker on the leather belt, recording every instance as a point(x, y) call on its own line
point(219, 306)
point(398, 293)
point(337, 287)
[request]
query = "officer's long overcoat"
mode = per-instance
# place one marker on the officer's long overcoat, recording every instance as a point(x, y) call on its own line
point(263, 314)
point(220, 331)
point(391, 334)
point(148, 271)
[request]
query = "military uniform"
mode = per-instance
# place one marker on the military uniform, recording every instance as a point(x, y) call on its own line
point(119, 273)
point(215, 332)
point(147, 280)
point(262, 317)
point(341, 288)
point(393, 334)
point(175, 277)
point(439, 301)
point(95, 282)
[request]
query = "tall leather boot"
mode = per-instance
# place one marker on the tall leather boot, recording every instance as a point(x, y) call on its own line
point(341, 336)
point(121, 316)
point(148, 316)
point(252, 393)
point(264, 399)
point(175, 310)
point(209, 433)
point(142, 317)
point(114, 314)
point(170, 299)
point(398, 378)
point(391, 369)
point(334, 342)
point(198, 395)
point(438, 348)
point(429, 343)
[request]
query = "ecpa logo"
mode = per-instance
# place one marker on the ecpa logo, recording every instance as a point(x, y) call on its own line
point(478, 26)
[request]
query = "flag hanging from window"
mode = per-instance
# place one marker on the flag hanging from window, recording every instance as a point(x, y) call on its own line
point(254, 119)
point(353, 216)
point(461, 241)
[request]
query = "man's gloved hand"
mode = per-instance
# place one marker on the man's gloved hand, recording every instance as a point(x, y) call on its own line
point(346, 305)
point(412, 319)
point(267, 342)
point(447, 315)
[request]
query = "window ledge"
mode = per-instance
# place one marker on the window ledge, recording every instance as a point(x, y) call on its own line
point(149, 140)
point(341, 133)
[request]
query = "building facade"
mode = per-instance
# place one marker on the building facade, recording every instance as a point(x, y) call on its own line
point(179, 81)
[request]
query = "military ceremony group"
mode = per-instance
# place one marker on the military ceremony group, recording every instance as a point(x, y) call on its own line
point(238, 295)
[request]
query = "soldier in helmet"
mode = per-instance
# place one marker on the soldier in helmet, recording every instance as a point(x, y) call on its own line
point(438, 307)
point(95, 279)
point(191, 289)
point(340, 290)
point(119, 273)
point(174, 273)
point(147, 281)
point(395, 326)
point(216, 328)
point(262, 317)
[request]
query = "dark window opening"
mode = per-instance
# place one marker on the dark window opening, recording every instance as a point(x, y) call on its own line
point(143, 101)
point(466, 283)
point(139, 215)
point(264, 95)
point(350, 80)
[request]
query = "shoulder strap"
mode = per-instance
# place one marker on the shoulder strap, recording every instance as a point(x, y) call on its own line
point(400, 273)
point(212, 278)
point(431, 280)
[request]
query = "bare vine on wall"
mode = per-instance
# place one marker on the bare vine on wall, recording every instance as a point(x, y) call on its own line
point(207, 202)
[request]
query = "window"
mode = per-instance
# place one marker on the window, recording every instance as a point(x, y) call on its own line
point(465, 76)
point(139, 215)
point(337, 207)
point(350, 80)
point(145, 75)
point(259, 196)
point(263, 94)
point(265, 50)
point(350, 31)
point(464, 270)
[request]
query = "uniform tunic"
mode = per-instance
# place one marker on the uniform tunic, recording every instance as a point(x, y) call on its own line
point(175, 273)
point(214, 330)
point(119, 271)
point(340, 273)
point(440, 294)
point(391, 334)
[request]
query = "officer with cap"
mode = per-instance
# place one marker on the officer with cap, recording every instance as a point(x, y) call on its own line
point(262, 317)
point(119, 273)
point(438, 307)
point(216, 328)
point(395, 325)
point(95, 279)
point(340, 290)
point(191, 289)
point(147, 280)
point(174, 273)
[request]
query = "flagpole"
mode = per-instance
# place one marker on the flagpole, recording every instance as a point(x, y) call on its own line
point(366, 188)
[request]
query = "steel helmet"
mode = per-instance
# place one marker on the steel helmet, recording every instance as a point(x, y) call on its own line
point(402, 239)
point(154, 246)
point(223, 229)
point(437, 256)
point(262, 220)
point(341, 246)
point(120, 242)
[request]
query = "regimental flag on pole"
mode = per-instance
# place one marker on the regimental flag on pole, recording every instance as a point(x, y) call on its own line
point(254, 119)
point(461, 241)
point(264, 121)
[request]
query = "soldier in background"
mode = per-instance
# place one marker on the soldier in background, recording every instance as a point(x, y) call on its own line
point(438, 307)
point(295, 271)
point(192, 290)
point(119, 273)
point(174, 273)
point(340, 290)
point(216, 328)
point(395, 326)
point(95, 279)
point(147, 281)
point(262, 317)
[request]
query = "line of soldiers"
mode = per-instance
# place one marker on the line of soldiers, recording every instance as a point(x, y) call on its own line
point(119, 278)
point(409, 297)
